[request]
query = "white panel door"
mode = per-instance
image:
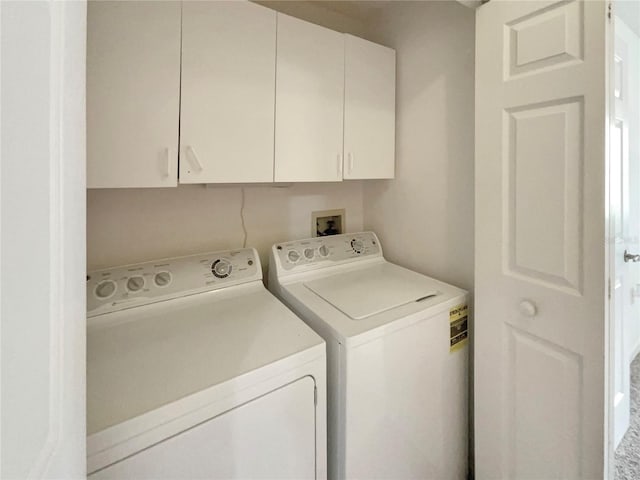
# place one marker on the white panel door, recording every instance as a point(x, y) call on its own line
point(42, 240)
point(624, 203)
point(369, 109)
point(540, 240)
point(309, 102)
point(270, 437)
point(228, 92)
point(133, 93)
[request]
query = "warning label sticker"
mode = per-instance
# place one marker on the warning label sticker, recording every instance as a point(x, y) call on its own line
point(458, 327)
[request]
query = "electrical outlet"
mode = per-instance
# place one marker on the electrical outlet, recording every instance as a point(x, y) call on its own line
point(327, 222)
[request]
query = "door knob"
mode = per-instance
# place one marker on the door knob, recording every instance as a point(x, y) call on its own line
point(527, 308)
point(630, 257)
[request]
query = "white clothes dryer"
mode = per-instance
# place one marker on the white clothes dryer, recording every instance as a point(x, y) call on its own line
point(195, 370)
point(397, 368)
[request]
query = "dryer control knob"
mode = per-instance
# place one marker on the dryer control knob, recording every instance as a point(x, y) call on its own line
point(105, 289)
point(323, 251)
point(309, 253)
point(135, 284)
point(162, 279)
point(293, 256)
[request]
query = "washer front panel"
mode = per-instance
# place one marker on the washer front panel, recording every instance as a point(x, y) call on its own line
point(330, 250)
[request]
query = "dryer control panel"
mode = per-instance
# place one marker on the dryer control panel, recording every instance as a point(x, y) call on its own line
point(328, 250)
point(117, 288)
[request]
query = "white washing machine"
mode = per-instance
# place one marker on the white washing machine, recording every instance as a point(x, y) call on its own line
point(195, 370)
point(397, 370)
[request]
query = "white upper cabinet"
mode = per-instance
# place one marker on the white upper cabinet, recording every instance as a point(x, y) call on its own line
point(228, 92)
point(369, 110)
point(309, 102)
point(133, 92)
point(251, 95)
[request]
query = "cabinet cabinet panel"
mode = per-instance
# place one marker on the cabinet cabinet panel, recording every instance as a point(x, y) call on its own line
point(369, 111)
point(228, 92)
point(309, 102)
point(133, 91)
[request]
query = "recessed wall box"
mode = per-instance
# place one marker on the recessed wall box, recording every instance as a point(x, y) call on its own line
point(328, 222)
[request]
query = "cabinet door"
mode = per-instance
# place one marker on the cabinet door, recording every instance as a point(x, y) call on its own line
point(228, 92)
point(309, 102)
point(133, 90)
point(369, 109)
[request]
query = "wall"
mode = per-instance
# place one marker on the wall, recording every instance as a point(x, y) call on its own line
point(134, 225)
point(425, 217)
point(629, 11)
point(42, 224)
point(325, 13)
point(627, 45)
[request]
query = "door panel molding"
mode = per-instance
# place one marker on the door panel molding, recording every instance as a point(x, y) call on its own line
point(558, 431)
point(543, 241)
point(552, 37)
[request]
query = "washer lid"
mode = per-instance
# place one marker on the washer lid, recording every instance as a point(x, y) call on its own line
point(362, 293)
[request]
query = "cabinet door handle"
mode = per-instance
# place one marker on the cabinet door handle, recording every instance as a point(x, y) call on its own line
point(350, 155)
point(339, 166)
point(167, 164)
point(193, 158)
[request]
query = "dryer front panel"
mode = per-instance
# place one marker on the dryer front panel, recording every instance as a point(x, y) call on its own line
point(273, 436)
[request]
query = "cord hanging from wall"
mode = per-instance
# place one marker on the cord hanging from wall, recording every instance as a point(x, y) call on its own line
point(244, 227)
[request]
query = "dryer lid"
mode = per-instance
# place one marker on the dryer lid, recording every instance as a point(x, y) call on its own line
point(359, 294)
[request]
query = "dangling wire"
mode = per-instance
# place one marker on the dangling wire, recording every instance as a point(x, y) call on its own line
point(244, 227)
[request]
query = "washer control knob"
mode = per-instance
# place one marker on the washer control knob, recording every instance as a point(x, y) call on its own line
point(323, 251)
point(309, 253)
point(105, 289)
point(162, 279)
point(221, 268)
point(293, 256)
point(135, 284)
point(357, 246)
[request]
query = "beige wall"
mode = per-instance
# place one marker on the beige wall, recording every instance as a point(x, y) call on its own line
point(324, 13)
point(425, 217)
point(135, 225)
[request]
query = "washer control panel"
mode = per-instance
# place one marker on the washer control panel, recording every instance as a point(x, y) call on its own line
point(117, 288)
point(327, 250)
